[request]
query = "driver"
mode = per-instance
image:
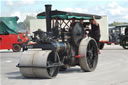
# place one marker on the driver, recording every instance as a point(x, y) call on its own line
point(126, 31)
point(95, 31)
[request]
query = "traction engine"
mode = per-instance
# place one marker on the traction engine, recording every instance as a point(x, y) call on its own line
point(63, 45)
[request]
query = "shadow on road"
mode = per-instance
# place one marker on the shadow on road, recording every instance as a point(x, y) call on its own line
point(72, 70)
point(14, 75)
point(17, 75)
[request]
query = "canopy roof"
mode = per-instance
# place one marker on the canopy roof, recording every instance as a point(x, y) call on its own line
point(124, 25)
point(67, 15)
point(8, 25)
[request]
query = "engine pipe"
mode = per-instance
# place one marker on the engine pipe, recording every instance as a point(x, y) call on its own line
point(48, 17)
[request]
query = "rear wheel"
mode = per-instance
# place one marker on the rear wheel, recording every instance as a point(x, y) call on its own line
point(16, 48)
point(108, 43)
point(125, 43)
point(101, 45)
point(88, 49)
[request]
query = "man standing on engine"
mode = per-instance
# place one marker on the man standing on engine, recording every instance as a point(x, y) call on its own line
point(126, 31)
point(95, 31)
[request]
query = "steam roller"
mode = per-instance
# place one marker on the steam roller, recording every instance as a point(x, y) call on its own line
point(59, 47)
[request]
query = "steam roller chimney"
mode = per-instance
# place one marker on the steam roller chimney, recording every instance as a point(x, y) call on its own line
point(48, 17)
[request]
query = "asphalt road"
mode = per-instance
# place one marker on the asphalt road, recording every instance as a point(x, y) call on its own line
point(112, 69)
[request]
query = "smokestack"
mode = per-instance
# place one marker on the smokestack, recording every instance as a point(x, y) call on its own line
point(48, 17)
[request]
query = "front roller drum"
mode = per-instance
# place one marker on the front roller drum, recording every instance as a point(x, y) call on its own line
point(88, 50)
point(39, 64)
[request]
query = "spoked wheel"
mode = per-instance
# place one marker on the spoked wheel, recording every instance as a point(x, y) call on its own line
point(39, 64)
point(125, 43)
point(16, 48)
point(52, 63)
point(89, 51)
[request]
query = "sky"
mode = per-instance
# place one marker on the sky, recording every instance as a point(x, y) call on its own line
point(116, 10)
